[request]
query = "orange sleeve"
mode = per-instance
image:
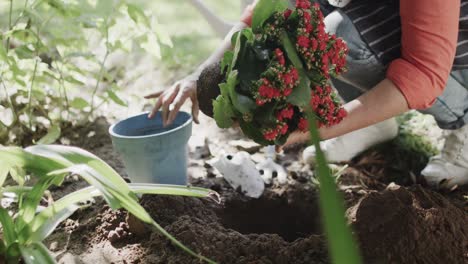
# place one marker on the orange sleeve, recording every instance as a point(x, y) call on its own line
point(429, 39)
point(246, 16)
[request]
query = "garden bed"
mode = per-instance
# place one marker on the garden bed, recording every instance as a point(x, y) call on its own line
point(393, 224)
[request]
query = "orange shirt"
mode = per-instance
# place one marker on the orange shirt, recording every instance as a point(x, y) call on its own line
point(429, 40)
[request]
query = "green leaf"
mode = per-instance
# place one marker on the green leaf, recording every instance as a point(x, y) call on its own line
point(72, 80)
point(52, 135)
point(250, 129)
point(291, 50)
point(222, 112)
point(343, 249)
point(251, 62)
point(3, 54)
point(240, 102)
point(300, 96)
point(264, 10)
point(79, 103)
point(30, 203)
point(227, 60)
point(4, 170)
point(8, 227)
point(44, 159)
point(36, 253)
point(243, 36)
point(24, 52)
point(137, 15)
point(18, 174)
point(115, 98)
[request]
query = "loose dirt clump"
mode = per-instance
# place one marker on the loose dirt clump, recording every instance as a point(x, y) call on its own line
point(276, 228)
point(393, 224)
point(410, 225)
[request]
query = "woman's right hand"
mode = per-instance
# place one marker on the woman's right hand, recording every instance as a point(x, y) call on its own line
point(172, 99)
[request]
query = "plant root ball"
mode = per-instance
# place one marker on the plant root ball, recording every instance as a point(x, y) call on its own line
point(208, 87)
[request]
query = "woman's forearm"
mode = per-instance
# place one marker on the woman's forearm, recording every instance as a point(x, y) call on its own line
point(218, 54)
point(378, 104)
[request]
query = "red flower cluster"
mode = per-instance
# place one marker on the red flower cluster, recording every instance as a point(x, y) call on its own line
point(276, 113)
point(273, 134)
point(303, 4)
point(326, 106)
point(282, 117)
point(319, 50)
point(278, 81)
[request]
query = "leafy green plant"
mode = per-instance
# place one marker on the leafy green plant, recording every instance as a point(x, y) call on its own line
point(53, 58)
point(25, 228)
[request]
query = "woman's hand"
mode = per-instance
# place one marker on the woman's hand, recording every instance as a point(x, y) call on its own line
point(172, 99)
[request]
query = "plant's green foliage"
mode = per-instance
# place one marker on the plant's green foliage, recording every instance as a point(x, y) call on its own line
point(250, 129)
point(227, 60)
point(4, 170)
point(137, 15)
point(300, 96)
point(49, 50)
point(223, 113)
point(241, 37)
point(8, 227)
point(115, 98)
point(242, 103)
point(52, 135)
point(343, 249)
point(264, 9)
point(50, 163)
point(36, 252)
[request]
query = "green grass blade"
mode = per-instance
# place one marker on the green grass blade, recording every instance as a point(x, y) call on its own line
point(70, 156)
point(343, 249)
point(35, 253)
point(16, 189)
point(47, 227)
point(15, 156)
point(44, 221)
point(31, 201)
point(4, 169)
point(151, 188)
point(8, 227)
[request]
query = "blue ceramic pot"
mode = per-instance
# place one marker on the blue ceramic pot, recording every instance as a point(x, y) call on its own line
point(152, 153)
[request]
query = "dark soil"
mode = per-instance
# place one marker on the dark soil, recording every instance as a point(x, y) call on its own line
point(393, 224)
point(208, 87)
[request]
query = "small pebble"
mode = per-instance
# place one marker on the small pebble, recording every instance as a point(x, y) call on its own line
point(119, 230)
point(53, 246)
point(113, 236)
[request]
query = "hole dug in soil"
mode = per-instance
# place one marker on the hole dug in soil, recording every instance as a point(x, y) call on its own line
point(288, 217)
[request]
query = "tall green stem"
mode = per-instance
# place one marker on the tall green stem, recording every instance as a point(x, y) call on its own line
point(101, 71)
point(342, 246)
point(9, 25)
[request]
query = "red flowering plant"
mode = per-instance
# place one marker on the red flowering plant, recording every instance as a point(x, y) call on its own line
point(279, 67)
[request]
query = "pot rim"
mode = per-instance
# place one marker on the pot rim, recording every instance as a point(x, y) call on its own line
point(182, 126)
